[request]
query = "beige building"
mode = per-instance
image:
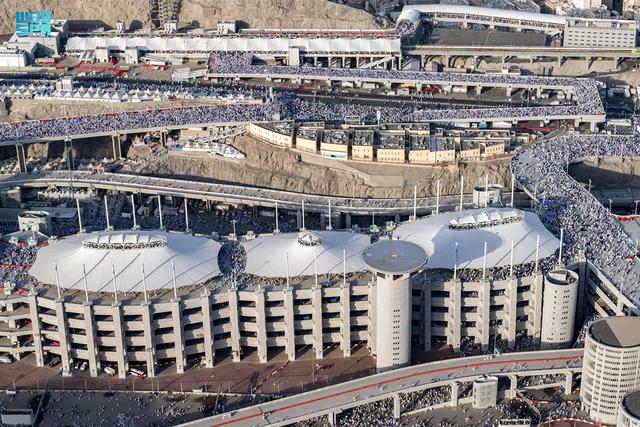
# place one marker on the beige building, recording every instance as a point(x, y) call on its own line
point(492, 148)
point(469, 150)
point(335, 144)
point(307, 139)
point(391, 147)
point(274, 133)
point(434, 149)
point(362, 145)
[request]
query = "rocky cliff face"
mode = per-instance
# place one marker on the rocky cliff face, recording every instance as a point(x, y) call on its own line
point(312, 14)
point(278, 168)
point(608, 172)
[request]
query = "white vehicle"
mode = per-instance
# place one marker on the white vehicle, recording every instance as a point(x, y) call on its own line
point(226, 416)
point(6, 359)
point(83, 366)
point(109, 371)
point(137, 373)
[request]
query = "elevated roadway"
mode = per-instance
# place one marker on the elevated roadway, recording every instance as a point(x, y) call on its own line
point(330, 401)
point(530, 52)
point(233, 194)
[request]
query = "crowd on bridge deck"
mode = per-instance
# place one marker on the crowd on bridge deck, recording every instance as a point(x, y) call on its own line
point(585, 91)
point(291, 106)
point(589, 229)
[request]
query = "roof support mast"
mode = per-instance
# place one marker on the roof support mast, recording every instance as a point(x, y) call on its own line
point(160, 211)
point(144, 285)
point(79, 217)
point(55, 268)
point(86, 285)
point(106, 211)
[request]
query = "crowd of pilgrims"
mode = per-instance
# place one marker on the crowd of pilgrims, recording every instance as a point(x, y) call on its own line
point(288, 105)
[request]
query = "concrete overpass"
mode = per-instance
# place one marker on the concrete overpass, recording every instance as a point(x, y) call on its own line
point(330, 401)
point(560, 54)
point(236, 194)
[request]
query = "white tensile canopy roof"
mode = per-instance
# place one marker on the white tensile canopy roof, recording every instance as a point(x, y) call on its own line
point(267, 254)
point(195, 260)
point(438, 234)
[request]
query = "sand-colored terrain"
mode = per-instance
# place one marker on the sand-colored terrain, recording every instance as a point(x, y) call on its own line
point(608, 172)
point(104, 12)
point(30, 109)
point(310, 14)
point(296, 14)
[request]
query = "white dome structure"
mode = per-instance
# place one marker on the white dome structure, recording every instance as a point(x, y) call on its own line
point(267, 254)
point(498, 227)
point(195, 260)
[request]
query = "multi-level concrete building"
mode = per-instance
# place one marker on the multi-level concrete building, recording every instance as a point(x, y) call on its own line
point(629, 411)
point(611, 366)
point(297, 290)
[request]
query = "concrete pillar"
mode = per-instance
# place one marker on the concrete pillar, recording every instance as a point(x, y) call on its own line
point(593, 126)
point(63, 337)
point(510, 322)
point(234, 319)
point(372, 316)
point(513, 387)
point(35, 328)
point(426, 304)
point(568, 382)
point(316, 304)
point(454, 319)
point(332, 417)
point(397, 407)
point(22, 158)
point(345, 316)
point(454, 394)
point(534, 324)
point(323, 220)
point(116, 146)
point(68, 153)
point(149, 343)
point(121, 350)
point(207, 328)
point(176, 316)
point(509, 91)
point(261, 325)
point(347, 221)
point(90, 331)
point(289, 324)
point(538, 92)
point(479, 90)
point(484, 313)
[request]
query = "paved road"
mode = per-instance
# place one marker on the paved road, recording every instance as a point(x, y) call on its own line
point(234, 194)
point(380, 386)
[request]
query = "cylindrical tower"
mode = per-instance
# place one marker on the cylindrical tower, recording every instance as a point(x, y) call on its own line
point(559, 302)
point(393, 262)
point(629, 411)
point(611, 366)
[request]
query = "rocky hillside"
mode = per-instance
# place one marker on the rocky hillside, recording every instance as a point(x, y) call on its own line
point(314, 14)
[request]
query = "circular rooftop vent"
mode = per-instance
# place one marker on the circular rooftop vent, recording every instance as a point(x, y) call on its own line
point(124, 241)
point(309, 238)
point(488, 218)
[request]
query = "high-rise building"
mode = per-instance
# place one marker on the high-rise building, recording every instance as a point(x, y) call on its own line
point(611, 366)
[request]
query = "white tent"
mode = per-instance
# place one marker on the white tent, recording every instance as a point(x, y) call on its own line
point(438, 234)
point(195, 260)
point(267, 254)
